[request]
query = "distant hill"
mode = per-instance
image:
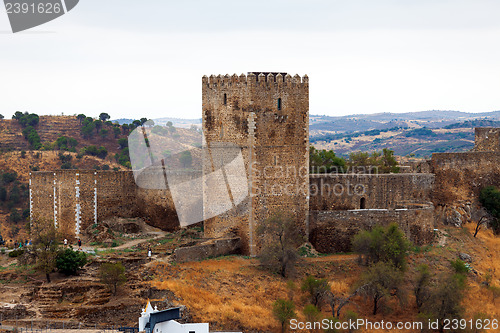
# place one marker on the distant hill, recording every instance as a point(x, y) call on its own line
point(177, 122)
point(413, 133)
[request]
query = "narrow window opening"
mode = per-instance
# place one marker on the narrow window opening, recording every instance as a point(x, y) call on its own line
point(275, 160)
point(279, 103)
point(225, 99)
point(362, 203)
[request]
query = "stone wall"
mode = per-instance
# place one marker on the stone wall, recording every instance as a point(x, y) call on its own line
point(209, 249)
point(461, 176)
point(266, 116)
point(487, 139)
point(75, 199)
point(332, 231)
point(366, 191)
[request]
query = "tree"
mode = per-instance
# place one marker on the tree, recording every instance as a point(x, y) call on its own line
point(377, 162)
point(17, 115)
point(2, 116)
point(102, 152)
point(480, 222)
point(389, 163)
point(46, 249)
point(421, 286)
point(143, 120)
point(15, 216)
point(81, 117)
point(88, 127)
point(123, 142)
point(316, 288)
point(283, 311)
point(98, 125)
point(381, 280)
point(104, 116)
point(186, 159)
point(9, 177)
point(113, 275)
point(116, 131)
point(104, 133)
point(383, 244)
point(445, 300)
point(125, 128)
point(311, 313)
point(3, 194)
point(323, 161)
point(15, 195)
point(280, 238)
point(490, 199)
point(28, 119)
point(69, 262)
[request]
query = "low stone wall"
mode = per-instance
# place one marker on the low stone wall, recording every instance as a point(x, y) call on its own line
point(332, 231)
point(209, 249)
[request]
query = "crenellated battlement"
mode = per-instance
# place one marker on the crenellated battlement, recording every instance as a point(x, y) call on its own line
point(255, 78)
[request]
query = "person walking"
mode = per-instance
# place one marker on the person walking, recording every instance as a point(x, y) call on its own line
point(65, 242)
point(149, 252)
point(79, 244)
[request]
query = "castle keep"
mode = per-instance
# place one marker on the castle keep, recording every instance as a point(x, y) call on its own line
point(267, 116)
point(263, 118)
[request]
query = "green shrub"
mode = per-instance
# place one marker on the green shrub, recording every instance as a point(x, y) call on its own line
point(315, 287)
point(460, 267)
point(68, 261)
point(283, 311)
point(490, 199)
point(16, 253)
point(383, 244)
point(9, 177)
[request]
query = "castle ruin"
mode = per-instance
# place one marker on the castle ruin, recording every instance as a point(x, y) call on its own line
point(266, 116)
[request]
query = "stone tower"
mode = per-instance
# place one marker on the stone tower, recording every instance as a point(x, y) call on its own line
point(267, 116)
point(487, 139)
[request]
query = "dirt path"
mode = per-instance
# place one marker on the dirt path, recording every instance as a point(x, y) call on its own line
point(334, 257)
point(157, 234)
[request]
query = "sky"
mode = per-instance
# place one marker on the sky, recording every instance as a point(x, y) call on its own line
point(145, 58)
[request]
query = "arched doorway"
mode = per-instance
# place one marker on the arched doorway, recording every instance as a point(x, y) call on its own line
point(362, 203)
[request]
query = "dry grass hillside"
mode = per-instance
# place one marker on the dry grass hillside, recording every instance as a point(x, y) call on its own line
point(234, 293)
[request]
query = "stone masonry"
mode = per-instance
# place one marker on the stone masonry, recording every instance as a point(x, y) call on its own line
point(267, 116)
point(487, 139)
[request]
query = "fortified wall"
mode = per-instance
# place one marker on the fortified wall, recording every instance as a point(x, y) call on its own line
point(461, 176)
point(332, 231)
point(74, 199)
point(343, 204)
point(369, 191)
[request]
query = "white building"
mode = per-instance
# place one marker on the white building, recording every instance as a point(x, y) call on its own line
point(154, 321)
